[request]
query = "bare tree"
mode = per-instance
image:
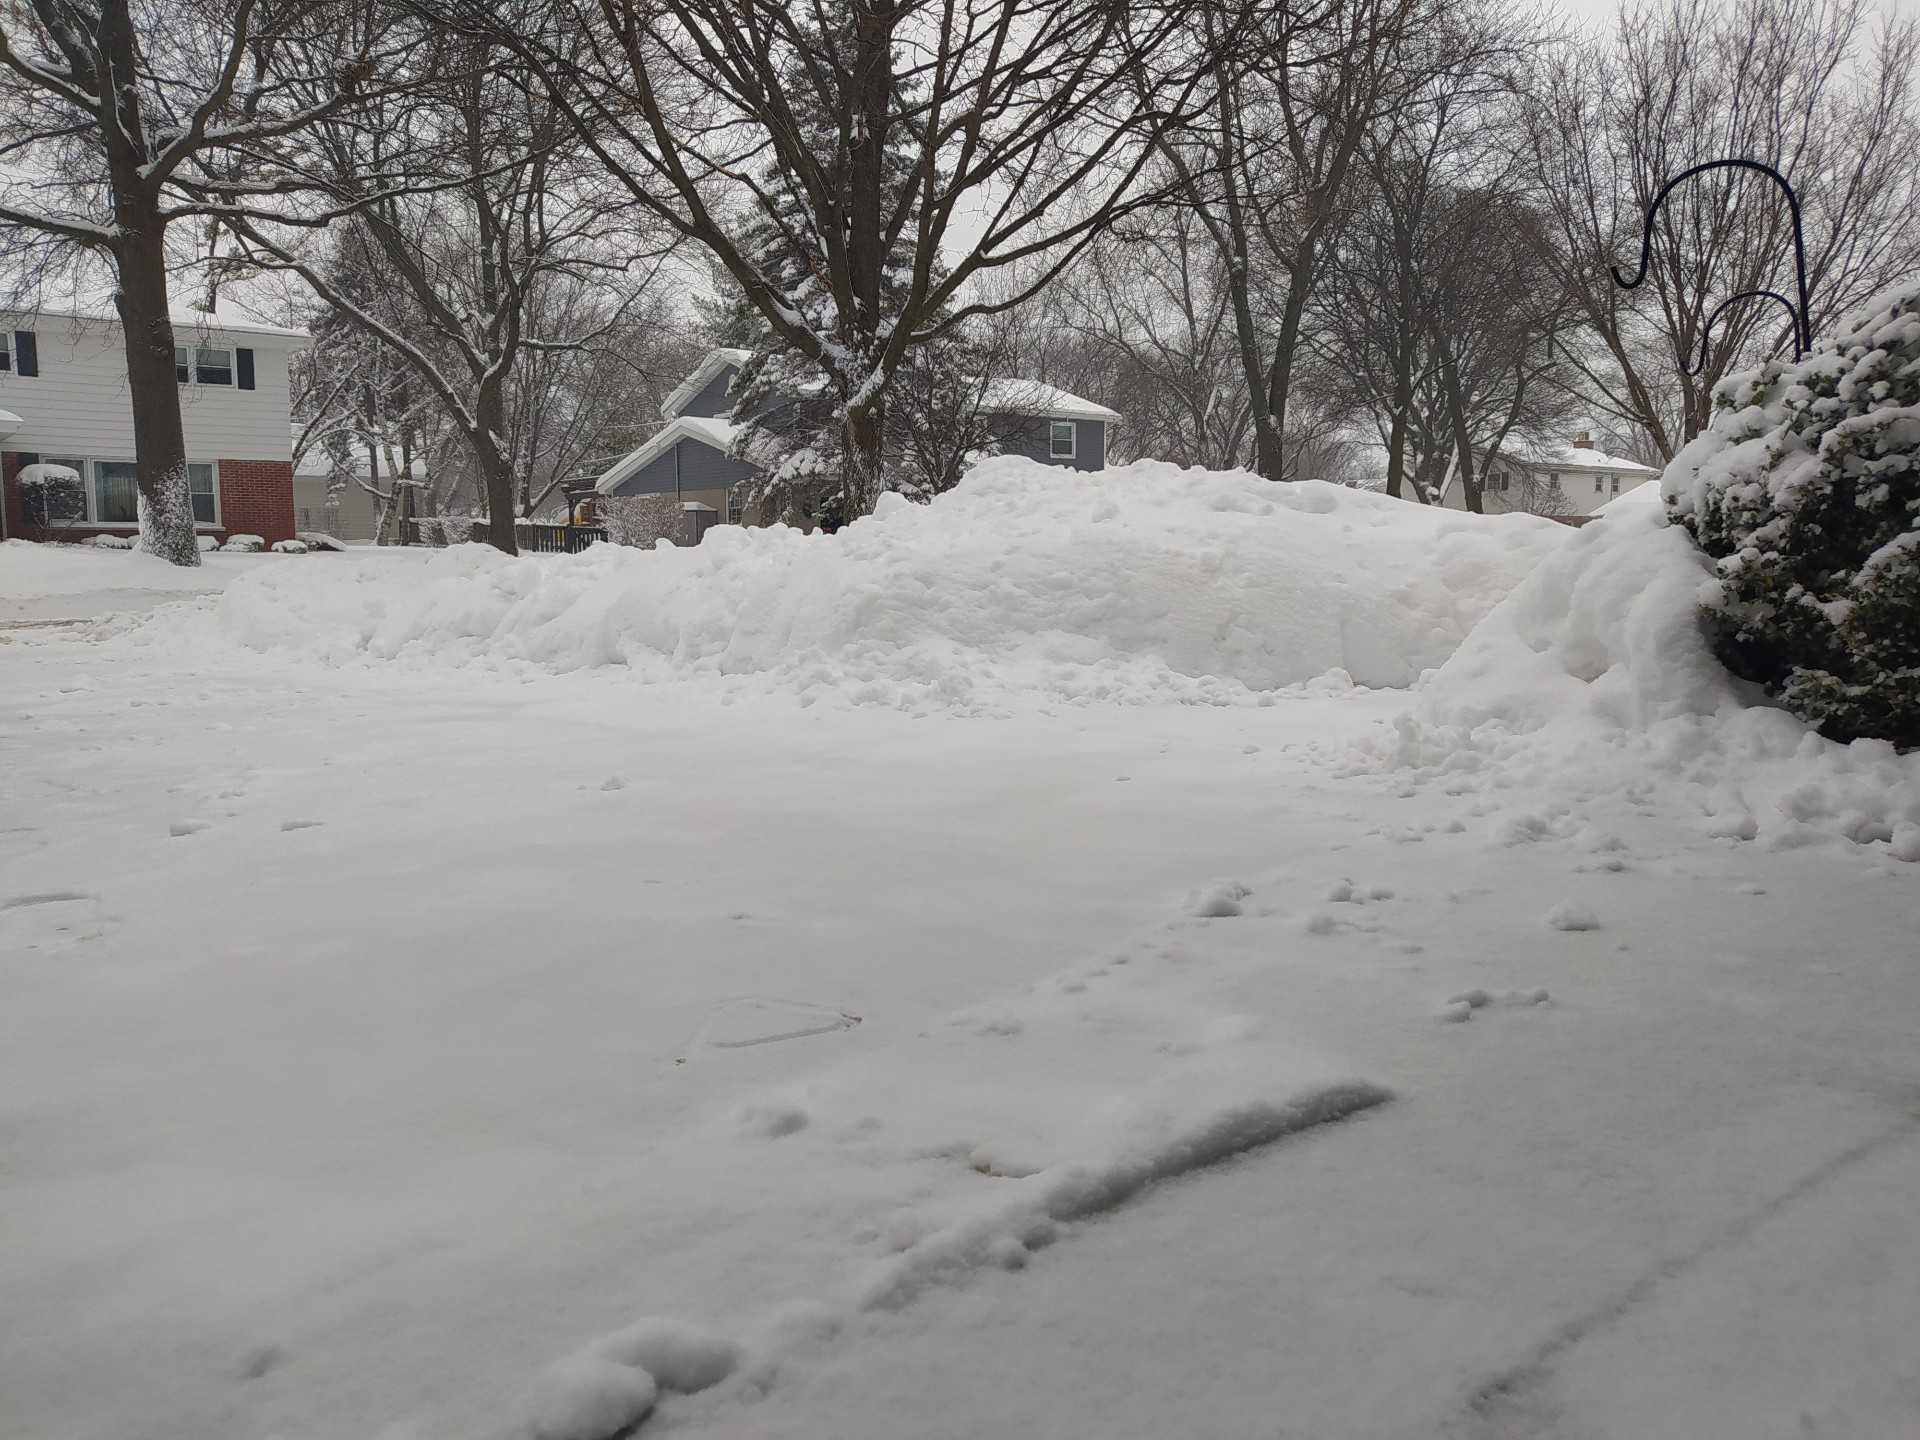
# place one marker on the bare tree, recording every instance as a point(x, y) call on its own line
point(106, 107)
point(465, 192)
point(1797, 84)
point(1270, 169)
point(1025, 127)
point(1153, 299)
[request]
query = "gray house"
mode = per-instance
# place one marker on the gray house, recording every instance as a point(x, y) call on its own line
point(687, 457)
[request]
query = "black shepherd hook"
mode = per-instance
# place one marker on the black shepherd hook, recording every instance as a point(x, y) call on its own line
point(1801, 314)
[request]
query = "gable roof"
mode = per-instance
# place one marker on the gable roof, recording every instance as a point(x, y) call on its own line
point(706, 430)
point(1031, 397)
point(1573, 457)
point(711, 364)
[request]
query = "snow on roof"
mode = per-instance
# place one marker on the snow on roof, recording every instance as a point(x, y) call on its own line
point(711, 364)
point(707, 429)
point(1647, 492)
point(1582, 455)
point(1032, 397)
point(225, 316)
point(1574, 457)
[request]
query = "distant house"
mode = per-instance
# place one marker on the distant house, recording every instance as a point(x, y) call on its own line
point(63, 388)
point(688, 457)
point(331, 497)
point(1566, 480)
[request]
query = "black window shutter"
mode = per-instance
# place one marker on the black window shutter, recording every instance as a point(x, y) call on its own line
point(26, 353)
point(245, 369)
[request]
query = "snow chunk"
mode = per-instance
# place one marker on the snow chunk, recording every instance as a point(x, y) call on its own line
point(681, 1357)
point(289, 547)
point(588, 1398)
point(244, 544)
point(1572, 917)
point(1218, 901)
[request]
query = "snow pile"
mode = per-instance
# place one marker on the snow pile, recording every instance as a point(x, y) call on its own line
point(1595, 675)
point(1143, 582)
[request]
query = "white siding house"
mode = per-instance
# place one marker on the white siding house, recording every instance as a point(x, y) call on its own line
point(63, 375)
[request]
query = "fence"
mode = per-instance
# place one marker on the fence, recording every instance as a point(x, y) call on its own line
point(533, 536)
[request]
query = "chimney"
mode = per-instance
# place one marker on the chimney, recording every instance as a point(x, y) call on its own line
point(1583, 441)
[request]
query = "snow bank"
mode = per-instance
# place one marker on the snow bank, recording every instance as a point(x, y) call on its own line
point(1595, 674)
point(1143, 582)
point(30, 572)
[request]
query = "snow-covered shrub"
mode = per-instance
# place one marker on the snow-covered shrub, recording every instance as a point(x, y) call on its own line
point(112, 542)
point(208, 542)
point(1806, 491)
point(51, 493)
point(640, 519)
point(244, 544)
point(289, 547)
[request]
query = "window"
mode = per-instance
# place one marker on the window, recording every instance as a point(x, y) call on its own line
point(67, 506)
point(203, 364)
point(200, 490)
point(6, 350)
point(1599, 484)
point(212, 366)
point(1616, 484)
point(110, 494)
point(736, 511)
point(1060, 438)
point(116, 494)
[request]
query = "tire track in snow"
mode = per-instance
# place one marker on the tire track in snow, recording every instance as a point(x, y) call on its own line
point(1515, 1405)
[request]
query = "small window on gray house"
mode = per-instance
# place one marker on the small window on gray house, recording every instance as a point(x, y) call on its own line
point(6, 350)
point(736, 512)
point(182, 364)
point(1060, 440)
point(1599, 484)
point(1616, 484)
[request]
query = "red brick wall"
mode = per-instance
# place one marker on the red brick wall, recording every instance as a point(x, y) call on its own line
point(256, 498)
point(14, 513)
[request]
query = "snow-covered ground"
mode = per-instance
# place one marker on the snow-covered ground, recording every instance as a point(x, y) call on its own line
point(421, 975)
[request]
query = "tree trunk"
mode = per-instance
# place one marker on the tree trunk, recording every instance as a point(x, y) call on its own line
point(1462, 435)
point(496, 469)
point(866, 463)
point(159, 438)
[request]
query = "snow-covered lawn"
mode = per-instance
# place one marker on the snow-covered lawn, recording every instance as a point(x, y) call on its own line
point(385, 1037)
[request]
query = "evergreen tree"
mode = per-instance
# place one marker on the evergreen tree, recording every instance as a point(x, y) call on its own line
point(790, 410)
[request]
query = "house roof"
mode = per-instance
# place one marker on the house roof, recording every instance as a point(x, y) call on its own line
point(705, 429)
point(711, 364)
point(1031, 397)
point(1576, 457)
point(226, 317)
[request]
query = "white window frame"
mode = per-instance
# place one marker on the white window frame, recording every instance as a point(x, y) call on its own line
point(1054, 452)
point(192, 366)
point(736, 508)
point(6, 352)
point(88, 479)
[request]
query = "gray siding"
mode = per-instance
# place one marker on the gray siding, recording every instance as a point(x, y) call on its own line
point(713, 398)
point(700, 467)
point(1027, 435)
